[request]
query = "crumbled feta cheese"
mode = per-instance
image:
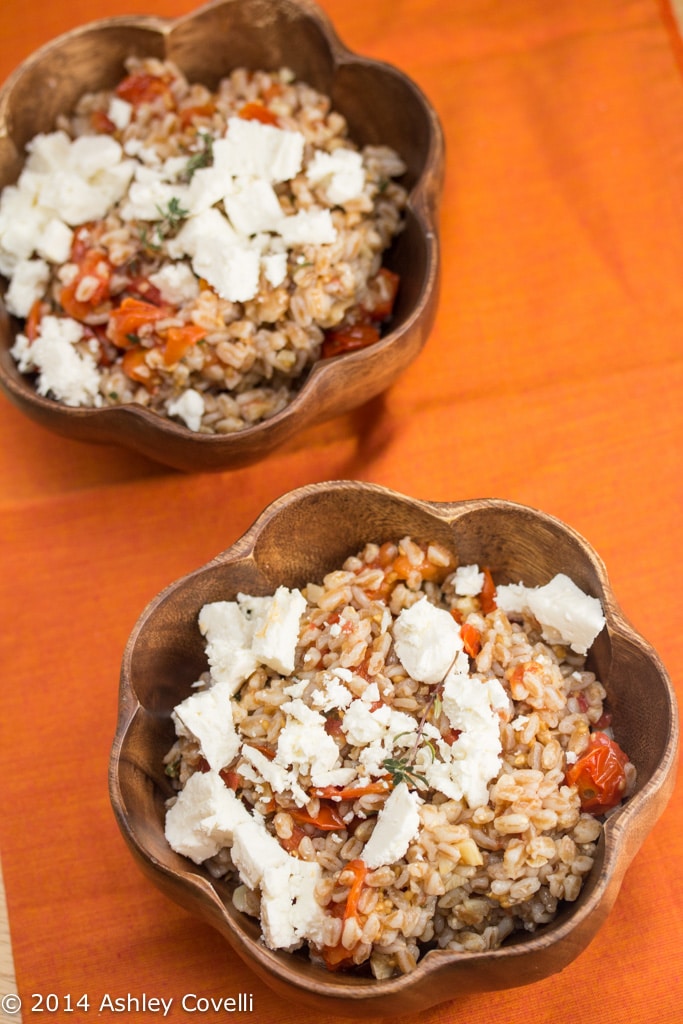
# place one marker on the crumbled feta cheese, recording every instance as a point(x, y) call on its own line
point(342, 673)
point(276, 627)
point(250, 631)
point(296, 688)
point(150, 194)
point(208, 186)
point(176, 283)
point(304, 744)
point(361, 725)
point(91, 178)
point(228, 647)
point(253, 207)
point(47, 152)
point(308, 227)
point(218, 255)
point(22, 222)
point(189, 406)
point(371, 693)
point(204, 817)
point(28, 284)
point(207, 716)
point(55, 241)
point(63, 182)
point(278, 778)
point(119, 112)
point(257, 150)
point(334, 695)
point(341, 174)
point(275, 268)
point(255, 850)
point(376, 733)
point(474, 758)
point(565, 613)
point(290, 911)
point(63, 372)
point(427, 640)
point(398, 823)
point(468, 580)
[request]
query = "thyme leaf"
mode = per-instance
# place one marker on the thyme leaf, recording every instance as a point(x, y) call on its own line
point(202, 158)
point(170, 217)
point(401, 770)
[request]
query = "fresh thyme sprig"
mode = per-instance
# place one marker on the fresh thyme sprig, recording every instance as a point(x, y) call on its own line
point(170, 218)
point(202, 158)
point(402, 769)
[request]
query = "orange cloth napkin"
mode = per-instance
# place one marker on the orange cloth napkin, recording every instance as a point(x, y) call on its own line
point(554, 377)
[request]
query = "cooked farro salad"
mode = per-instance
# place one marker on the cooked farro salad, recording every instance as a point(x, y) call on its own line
point(196, 251)
point(399, 757)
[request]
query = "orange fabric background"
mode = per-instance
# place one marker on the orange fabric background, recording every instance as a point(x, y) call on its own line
point(554, 377)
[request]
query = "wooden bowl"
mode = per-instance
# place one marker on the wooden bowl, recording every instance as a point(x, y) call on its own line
point(299, 538)
point(381, 105)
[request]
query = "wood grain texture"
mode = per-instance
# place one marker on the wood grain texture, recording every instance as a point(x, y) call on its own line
point(300, 538)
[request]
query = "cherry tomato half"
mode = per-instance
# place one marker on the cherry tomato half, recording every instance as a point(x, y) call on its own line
point(599, 774)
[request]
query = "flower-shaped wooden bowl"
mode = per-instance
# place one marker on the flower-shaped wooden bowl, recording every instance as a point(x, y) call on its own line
point(299, 538)
point(381, 105)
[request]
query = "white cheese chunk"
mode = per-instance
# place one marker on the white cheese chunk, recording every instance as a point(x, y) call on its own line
point(340, 173)
point(377, 733)
point(149, 195)
point(207, 716)
point(47, 152)
point(92, 178)
point(468, 580)
point(119, 112)
point(427, 640)
point(398, 823)
point(308, 227)
point(228, 649)
point(259, 150)
point(55, 241)
point(22, 222)
point(474, 758)
point(189, 406)
point(28, 284)
point(208, 186)
point(307, 747)
point(371, 693)
point(65, 373)
point(253, 207)
point(565, 613)
point(218, 255)
point(362, 726)
point(176, 283)
point(276, 627)
point(290, 912)
point(275, 268)
point(250, 631)
point(333, 695)
point(278, 778)
point(255, 851)
point(204, 817)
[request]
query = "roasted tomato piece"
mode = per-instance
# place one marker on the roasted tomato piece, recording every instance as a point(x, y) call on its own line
point(348, 339)
point(599, 774)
